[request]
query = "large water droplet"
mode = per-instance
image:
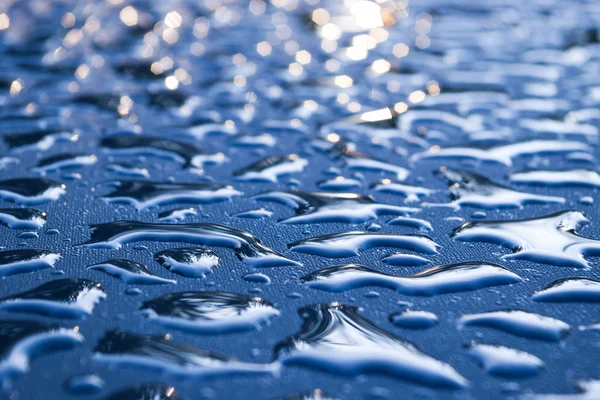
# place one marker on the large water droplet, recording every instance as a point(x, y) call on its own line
point(210, 312)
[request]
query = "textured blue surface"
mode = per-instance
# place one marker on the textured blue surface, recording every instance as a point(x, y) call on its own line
point(577, 357)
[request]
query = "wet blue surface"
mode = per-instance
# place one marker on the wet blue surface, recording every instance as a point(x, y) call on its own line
point(535, 61)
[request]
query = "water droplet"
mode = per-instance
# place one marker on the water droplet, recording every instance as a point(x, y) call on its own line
point(260, 213)
point(130, 272)
point(449, 278)
point(209, 312)
point(337, 339)
point(257, 277)
point(504, 154)
point(61, 298)
point(159, 353)
point(20, 261)
point(247, 248)
point(143, 194)
point(348, 244)
point(22, 341)
point(28, 235)
point(314, 207)
point(570, 290)
point(474, 190)
point(84, 384)
point(551, 239)
point(31, 190)
point(176, 215)
point(579, 177)
point(505, 362)
point(193, 262)
point(521, 323)
point(184, 153)
point(146, 392)
point(22, 218)
point(414, 319)
point(64, 161)
point(271, 168)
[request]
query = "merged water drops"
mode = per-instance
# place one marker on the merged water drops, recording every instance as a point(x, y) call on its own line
point(316, 394)
point(319, 207)
point(504, 154)
point(210, 312)
point(551, 239)
point(336, 338)
point(247, 248)
point(348, 244)
point(437, 280)
point(474, 190)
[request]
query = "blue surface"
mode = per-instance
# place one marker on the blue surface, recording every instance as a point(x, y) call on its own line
point(575, 358)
